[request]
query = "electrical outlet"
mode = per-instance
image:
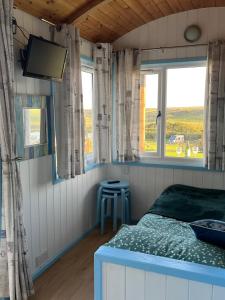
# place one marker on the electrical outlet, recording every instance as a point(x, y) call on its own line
point(39, 260)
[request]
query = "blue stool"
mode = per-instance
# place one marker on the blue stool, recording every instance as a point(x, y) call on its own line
point(113, 191)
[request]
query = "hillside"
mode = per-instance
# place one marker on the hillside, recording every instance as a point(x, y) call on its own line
point(186, 121)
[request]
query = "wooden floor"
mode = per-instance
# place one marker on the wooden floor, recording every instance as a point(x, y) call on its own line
point(72, 276)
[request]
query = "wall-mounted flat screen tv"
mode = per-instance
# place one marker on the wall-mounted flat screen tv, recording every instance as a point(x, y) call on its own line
point(44, 59)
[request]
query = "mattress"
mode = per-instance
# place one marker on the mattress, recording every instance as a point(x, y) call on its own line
point(167, 237)
point(165, 230)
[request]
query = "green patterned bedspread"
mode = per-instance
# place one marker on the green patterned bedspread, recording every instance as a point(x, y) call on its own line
point(167, 237)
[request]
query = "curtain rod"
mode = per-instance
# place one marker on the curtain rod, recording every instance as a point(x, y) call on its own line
point(173, 47)
point(170, 47)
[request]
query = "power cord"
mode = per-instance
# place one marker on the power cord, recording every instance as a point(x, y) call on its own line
point(15, 26)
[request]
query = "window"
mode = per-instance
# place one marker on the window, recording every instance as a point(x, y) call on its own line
point(87, 87)
point(172, 112)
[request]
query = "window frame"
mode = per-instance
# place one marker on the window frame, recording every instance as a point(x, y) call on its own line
point(156, 154)
point(161, 69)
point(90, 69)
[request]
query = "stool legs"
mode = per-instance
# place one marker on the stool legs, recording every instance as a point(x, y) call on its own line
point(115, 210)
point(123, 210)
point(103, 215)
point(102, 202)
point(128, 208)
point(99, 195)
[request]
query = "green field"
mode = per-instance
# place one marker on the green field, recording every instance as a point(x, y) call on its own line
point(186, 122)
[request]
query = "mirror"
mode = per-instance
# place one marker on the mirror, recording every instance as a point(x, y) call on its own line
point(33, 125)
point(34, 120)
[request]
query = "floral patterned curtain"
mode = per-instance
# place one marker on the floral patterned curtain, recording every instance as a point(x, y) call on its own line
point(15, 277)
point(215, 115)
point(103, 102)
point(127, 68)
point(69, 109)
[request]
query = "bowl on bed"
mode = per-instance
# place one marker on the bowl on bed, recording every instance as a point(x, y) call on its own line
point(210, 231)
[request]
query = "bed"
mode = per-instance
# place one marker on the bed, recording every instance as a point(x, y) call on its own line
point(160, 257)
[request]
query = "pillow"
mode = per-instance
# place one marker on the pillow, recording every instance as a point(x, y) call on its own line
point(211, 231)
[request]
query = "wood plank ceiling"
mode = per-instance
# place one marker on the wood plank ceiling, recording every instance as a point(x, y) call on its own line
point(107, 20)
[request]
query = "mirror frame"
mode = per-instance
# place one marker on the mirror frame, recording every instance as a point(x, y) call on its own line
point(38, 150)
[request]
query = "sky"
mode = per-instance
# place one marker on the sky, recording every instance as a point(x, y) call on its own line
point(87, 89)
point(185, 87)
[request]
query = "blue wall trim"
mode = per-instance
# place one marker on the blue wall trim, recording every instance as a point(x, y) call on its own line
point(90, 167)
point(54, 259)
point(157, 264)
point(164, 165)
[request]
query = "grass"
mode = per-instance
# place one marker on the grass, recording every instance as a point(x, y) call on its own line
point(171, 150)
point(185, 121)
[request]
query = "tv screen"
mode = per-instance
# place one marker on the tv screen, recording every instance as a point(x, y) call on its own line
point(44, 59)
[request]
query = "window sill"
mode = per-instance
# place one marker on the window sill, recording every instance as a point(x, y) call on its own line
point(166, 164)
point(92, 166)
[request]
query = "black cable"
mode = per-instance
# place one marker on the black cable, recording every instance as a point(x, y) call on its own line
point(15, 39)
point(15, 26)
point(22, 31)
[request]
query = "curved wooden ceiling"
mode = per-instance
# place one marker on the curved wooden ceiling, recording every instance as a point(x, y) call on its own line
point(107, 20)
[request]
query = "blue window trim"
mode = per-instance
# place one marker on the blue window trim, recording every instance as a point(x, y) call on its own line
point(153, 263)
point(164, 166)
point(87, 61)
point(178, 61)
point(157, 164)
point(55, 177)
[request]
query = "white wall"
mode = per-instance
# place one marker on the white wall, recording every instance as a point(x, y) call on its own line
point(169, 31)
point(148, 183)
point(54, 215)
point(132, 284)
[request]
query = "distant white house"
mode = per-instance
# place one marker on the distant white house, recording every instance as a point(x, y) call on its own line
point(176, 139)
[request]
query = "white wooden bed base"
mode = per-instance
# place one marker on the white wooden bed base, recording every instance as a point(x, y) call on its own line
point(127, 275)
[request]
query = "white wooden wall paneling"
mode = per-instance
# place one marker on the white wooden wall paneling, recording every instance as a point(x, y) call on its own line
point(147, 183)
point(115, 282)
point(169, 31)
point(125, 283)
point(54, 215)
point(218, 293)
point(155, 286)
point(135, 284)
point(198, 290)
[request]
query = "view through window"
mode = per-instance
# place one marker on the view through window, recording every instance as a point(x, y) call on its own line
point(185, 112)
point(87, 87)
point(172, 112)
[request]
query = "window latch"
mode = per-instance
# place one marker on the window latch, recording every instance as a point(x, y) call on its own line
point(158, 116)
